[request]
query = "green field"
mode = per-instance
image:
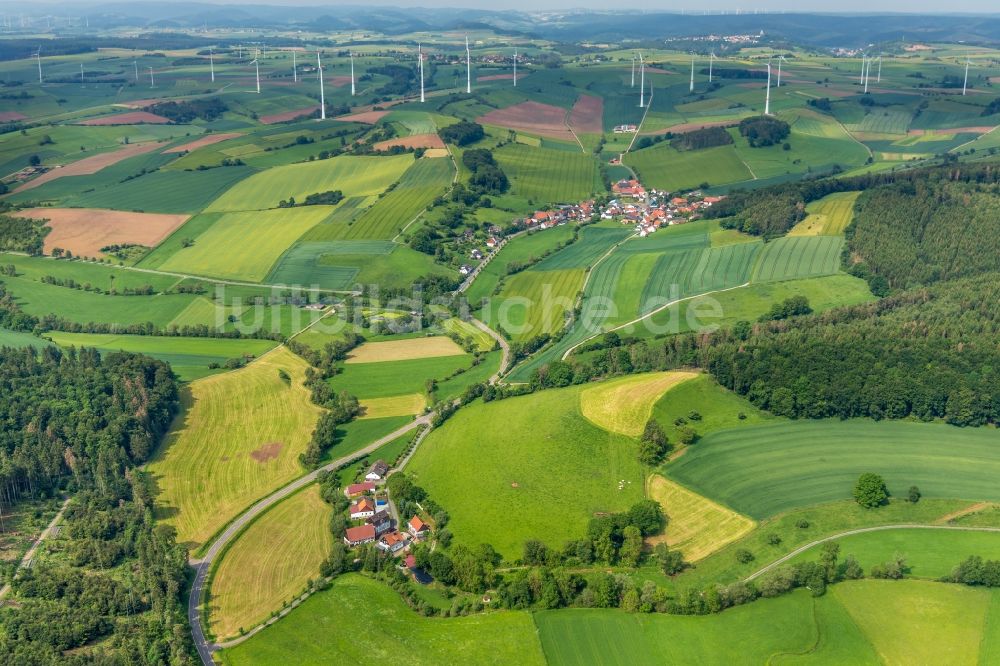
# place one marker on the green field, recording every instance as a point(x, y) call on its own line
point(532, 302)
point(162, 191)
point(594, 242)
point(663, 167)
point(384, 380)
point(827, 217)
point(354, 176)
point(237, 437)
point(245, 245)
point(188, 357)
point(17, 339)
point(930, 553)
point(361, 621)
point(549, 176)
point(766, 469)
point(797, 257)
point(542, 475)
point(718, 408)
point(521, 249)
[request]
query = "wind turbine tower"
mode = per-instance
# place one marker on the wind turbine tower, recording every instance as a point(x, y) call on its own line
point(352, 72)
point(295, 70)
point(38, 57)
point(420, 56)
point(642, 82)
point(691, 87)
point(322, 95)
point(211, 63)
point(711, 61)
point(633, 70)
point(152, 83)
point(965, 82)
point(256, 64)
point(878, 77)
point(81, 73)
point(515, 67)
point(468, 67)
point(868, 72)
point(781, 58)
point(767, 96)
point(136, 63)
point(864, 60)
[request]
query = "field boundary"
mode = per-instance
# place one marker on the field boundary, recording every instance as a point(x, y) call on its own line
point(862, 530)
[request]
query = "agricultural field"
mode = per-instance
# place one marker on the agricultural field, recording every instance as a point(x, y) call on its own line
point(354, 176)
point(17, 339)
point(404, 350)
point(523, 248)
point(625, 405)
point(487, 475)
point(827, 217)
point(220, 250)
point(535, 302)
point(85, 231)
point(189, 358)
point(361, 620)
point(386, 380)
point(403, 405)
point(663, 167)
point(256, 575)
point(697, 526)
point(798, 257)
point(767, 469)
point(548, 176)
point(468, 331)
point(716, 408)
point(237, 436)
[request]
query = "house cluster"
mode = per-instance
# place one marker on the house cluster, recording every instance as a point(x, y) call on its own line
point(546, 219)
point(626, 129)
point(747, 38)
point(373, 521)
point(651, 209)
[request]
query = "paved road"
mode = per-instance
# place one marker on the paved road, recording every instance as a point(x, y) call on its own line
point(504, 346)
point(28, 556)
point(203, 565)
point(862, 530)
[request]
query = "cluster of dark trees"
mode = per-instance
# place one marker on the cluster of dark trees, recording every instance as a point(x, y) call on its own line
point(735, 73)
point(793, 306)
point(80, 422)
point(992, 107)
point(462, 133)
point(487, 176)
point(328, 198)
point(706, 137)
point(974, 570)
point(401, 83)
point(762, 131)
point(208, 109)
point(823, 104)
point(22, 234)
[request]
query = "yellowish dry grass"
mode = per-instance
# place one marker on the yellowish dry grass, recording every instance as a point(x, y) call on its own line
point(827, 217)
point(238, 436)
point(399, 405)
point(404, 350)
point(697, 526)
point(624, 405)
point(270, 563)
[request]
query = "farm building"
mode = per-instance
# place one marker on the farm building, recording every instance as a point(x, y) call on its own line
point(359, 489)
point(418, 528)
point(393, 542)
point(377, 471)
point(363, 508)
point(355, 536)
point(381, 521)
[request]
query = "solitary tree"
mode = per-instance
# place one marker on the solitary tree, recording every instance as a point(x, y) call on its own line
point(870, 490)
point(914, 494)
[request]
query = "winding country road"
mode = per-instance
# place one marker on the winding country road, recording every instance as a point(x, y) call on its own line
point(862, 530)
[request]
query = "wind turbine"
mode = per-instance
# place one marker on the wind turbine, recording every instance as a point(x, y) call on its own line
point(81, 73)
point(711, 60)
point(352, 72)
point(211, 63)
point(633, 70)
point(256, 64)
point(878, 78)
point(965, 82)
point(781, 59)
point(295, 71)
point(642, 82)
point(136, 64)
point(420, 57)
point(152, 83)
point(468, 67)
point(322, 95)
point(868, 72)
point(864, 60)
point(767, 97)
point(38, 56)
point(691, 87)
point(515, 66)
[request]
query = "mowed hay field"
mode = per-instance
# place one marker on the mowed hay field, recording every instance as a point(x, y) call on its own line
point(697, 526)
point(624, 405)
point(84, 231)
point(237, 437)
point(798, 257)
point(245, 245)
point(767, 469)
point(401, 405)
point(404, 350)
point(857, 622)
point(827, 217)
point(553, 176)
point(535, 302)
point(269, 563)
point(362, 621)
point(526, 468)
point(354, 176)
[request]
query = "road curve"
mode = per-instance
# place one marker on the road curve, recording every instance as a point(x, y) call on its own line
point(862, 530)
point(203, 566)
point(504, 346)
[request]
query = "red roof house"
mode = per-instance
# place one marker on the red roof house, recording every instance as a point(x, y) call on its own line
point(355, 536)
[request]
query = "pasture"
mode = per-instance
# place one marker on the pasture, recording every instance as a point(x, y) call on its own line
point(354, 176)
point(237, 437)
point(189, 358)
point(359, 620)
point(529, 463)
point(716, 407)
point(386, 380)
point(404, 350)
point(594, 242)
point(533, 303)
point(624, 405)
point(257, 573)
point(696, 526)
point(245, 245)
point(84, 231)
point(18, 339)
point(468, 331)
point(797, 257)
point(549, 176)
point(663, 167)
point(402, 405)
point(767, 469)
point(827, 217)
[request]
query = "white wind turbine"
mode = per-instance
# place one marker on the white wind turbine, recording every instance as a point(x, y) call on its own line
point(515, 66)
point(136, 64)
point(468, 67)
point(256, 64)
point(295, 71)
point(420, 57)
point(352, 72)
point(864, 60)
point(81, 73)
point(781, 59)
point(642, 82)
point(711, 61)
point(38, 57)
point(633, 70)
point(868, 73)
point(767, 96)
point(211, 63)
point(965, 82)
point(152, 82)
point(691, 86)
point(322, 94)
point(878, 77)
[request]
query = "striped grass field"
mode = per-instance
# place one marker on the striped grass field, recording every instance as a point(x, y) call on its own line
point(827, 217)
point(237, 437)
point(624, 405)
point(536, 302)
point(269, 563)
point(404, 350)
point(549, 176)
point(466, 330)
point(593, 242)
point(400, 405)
point(696, 525)
point(798, 257)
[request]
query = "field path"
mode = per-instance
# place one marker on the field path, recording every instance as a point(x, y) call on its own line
point(203, 566)
point(504, 346)
point(28, 556)
point(972, 508)
point(862, 530)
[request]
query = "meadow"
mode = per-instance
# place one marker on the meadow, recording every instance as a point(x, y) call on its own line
point(797, 257)
point(624, 405)
point(827, 217)
point(542, 474)
point(767, 469)
point(404, 350)
point(663, 167)
point(354, 176)
point(237, 437)
point(547, 176)
point(189, 358)
point(385, 380)
point(359, 620)
point(521, 249)
point(17, 339)
point(256, 575)
point(535, 302)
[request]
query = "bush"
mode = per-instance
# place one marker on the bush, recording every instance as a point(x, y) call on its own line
point(870, 491)
point(744, 556)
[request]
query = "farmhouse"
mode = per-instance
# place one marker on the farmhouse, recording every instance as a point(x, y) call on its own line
point(363, 508)
point(381, 521)
point(377, 471)
point(393, 542)
point(359, 489)
point(629, 188)
point(626, 129)
point(355, 536)
point(418, 528)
